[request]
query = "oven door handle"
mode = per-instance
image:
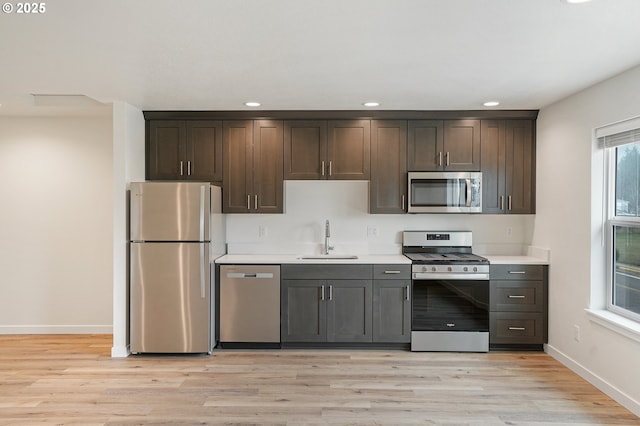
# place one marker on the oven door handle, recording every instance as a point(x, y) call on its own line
point(448, 276)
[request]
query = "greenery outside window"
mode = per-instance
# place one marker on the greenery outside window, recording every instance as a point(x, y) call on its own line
point(623, 224)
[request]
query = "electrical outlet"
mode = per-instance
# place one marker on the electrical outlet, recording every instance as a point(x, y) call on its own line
point(509, 231)
point(372, 231)
point(262, 231)
point(576, 333)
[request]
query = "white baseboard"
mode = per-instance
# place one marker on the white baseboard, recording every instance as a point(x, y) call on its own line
point(616, 394)
point(56, 329)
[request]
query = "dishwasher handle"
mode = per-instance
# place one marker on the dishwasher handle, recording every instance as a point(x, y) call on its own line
point(268, 275)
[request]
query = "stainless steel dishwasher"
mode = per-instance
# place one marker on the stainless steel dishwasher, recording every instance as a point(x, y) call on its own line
point(249, 305)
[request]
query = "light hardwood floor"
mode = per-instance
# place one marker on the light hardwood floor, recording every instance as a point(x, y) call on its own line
point(72, 380)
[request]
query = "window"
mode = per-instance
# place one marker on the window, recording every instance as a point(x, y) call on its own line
point(623, 224)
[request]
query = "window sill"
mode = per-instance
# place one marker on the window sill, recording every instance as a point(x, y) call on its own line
point(616, 323)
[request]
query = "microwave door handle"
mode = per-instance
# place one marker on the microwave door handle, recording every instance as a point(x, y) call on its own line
point(468, 192)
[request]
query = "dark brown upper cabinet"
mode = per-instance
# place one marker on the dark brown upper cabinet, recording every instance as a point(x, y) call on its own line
point(184, 150)
point(253, 177)
point(508, 166)
point(388, 185)
point(443, 145)
point(305, 149)
point(321, 149)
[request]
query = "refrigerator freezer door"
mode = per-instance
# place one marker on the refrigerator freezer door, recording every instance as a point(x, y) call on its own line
point(170, 298)
point(170, 211)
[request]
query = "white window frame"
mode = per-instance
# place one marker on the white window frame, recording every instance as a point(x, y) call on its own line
point(612, 220)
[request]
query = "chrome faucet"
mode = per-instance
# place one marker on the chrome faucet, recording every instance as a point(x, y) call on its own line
point(327, 234)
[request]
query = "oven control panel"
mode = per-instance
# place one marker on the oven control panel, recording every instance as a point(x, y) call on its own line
point(451, 272)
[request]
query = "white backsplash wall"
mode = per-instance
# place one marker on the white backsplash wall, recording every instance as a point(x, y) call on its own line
point(353, 230)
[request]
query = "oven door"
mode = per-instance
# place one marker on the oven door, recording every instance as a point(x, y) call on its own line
point(445, 192)
point(450, 315)
point(450, 305)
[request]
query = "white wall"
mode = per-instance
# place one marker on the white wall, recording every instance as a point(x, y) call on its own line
point(56, 225)
point(345, 203)
point(569, 222)
point(128, 166)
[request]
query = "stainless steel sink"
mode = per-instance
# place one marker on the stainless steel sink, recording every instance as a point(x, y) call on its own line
point(327, 257)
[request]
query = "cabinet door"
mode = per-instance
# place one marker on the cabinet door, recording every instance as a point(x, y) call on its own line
point(462, 145)
point(204, 150)
point(267, 167)
point(349, 149)
point(303, 311)
point(388, 185)
point(305, 149)
point(349, 317)
point(520, 160)
point(493, 160)
point(424, 145)
point(166, 150)
point(238, 154)
point(392, 311)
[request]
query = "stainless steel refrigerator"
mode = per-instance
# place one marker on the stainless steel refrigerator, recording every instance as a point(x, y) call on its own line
point(172, 247)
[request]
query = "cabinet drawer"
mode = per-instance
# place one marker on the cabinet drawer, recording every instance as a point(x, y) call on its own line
point(509, 327)
point(517, 296)
point(326, 272)
point(391, 272)
point(517, 272)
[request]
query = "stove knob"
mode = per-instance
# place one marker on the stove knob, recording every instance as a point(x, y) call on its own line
point(424, 269)
point(433, 269)
point(449, 269)
point(475, 269)
point(466, 269)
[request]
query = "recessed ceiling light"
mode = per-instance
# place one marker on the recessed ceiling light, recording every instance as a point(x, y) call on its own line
point(371, 104)
point(576, 1)
point(252, 104)
point(491, 103)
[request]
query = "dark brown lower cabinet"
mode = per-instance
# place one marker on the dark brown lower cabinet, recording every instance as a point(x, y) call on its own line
point(392, 303)
point(518, 306)
point(326, 311)
point(345, 304)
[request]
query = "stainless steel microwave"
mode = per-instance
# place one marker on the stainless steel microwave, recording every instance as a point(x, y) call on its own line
point(445, 192)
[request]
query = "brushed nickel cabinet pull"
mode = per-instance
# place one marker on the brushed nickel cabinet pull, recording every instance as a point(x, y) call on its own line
point(447, 157)
point(330, 167)
point(516, 296)
point(188, 168)
point(518, 272)
point(181, 168)
point(391, 272)
point(509, 202)
point(330, 292)
point(255, 201)
point(322, 293)
point(502, 202)
point(440, 158)
point(322, 167)
point(402, 201)
point(517, 328)
point(248, 202)
point(407, 293)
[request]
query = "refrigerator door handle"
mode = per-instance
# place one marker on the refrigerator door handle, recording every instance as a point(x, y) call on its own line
point(202, 199)
point(134, 220)
point(203, 272)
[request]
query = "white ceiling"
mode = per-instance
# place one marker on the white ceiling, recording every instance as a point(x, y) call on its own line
point(322, 54)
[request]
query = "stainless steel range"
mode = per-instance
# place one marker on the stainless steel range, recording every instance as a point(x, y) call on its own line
point(450, 306)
